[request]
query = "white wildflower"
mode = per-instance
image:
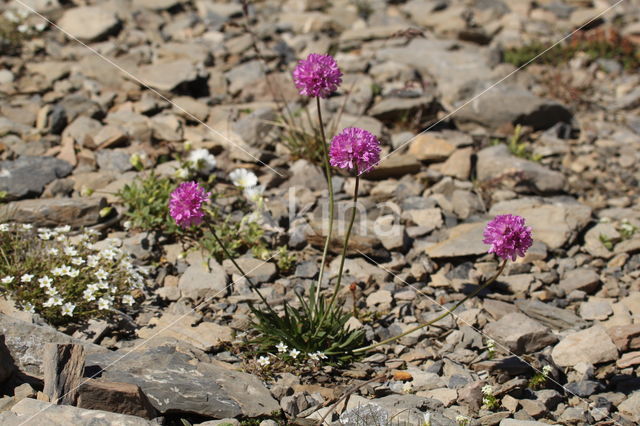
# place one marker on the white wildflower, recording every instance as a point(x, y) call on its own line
point(243, 178)
point(23, 28)
point(294, 353)
point(281, 347)
point(181, 173)
point(28, 307)
point(264, 361)
point(70, 251)
point(202, 160)
point(53, 251)
point(546, 370)
point(104, 303)
point(74, 273)
point(54, 300)
point(67, 309)
point(45, 281)
point(254, 193)
point(57, 272)
point(407, 387)
point(103, 285)
point(51, 291)
point(62, 229)
point(101, 274)
point(88, 295)
point(4, 227)
point(93, 260)
point(27, 227)
point(109, 254)
point(61, 238)
point(65, 269)
point(41, 26)
point(487, 390)
point(26, 278)
point(93, 287)
point(7, 280)
point(128, 299)
point(77, 261)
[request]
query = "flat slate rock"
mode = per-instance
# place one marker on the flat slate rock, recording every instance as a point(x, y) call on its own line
point(463, 240)
point(34, 412)
point(49, 212)
point(551, 316)
point(26, 343)
point(176, 382)
point(27, 176)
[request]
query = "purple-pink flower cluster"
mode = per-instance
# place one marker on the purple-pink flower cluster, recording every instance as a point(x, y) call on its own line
point(508, 236)
point(185, 205)
point(317, 76)
point(354, 148)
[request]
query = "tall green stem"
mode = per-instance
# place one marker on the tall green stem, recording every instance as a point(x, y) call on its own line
point(344, 248)
point(327, 169)
point(444, 315)
point(226, 252)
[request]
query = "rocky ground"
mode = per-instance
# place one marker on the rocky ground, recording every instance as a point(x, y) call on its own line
point(117, 78)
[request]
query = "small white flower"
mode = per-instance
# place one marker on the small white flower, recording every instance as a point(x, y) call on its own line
point(281, 347)
point(45, 235)
point(317, 356)
point(24, 13)
point(41, 26)
point(67, 309)
point(127, 224)
point(407, 387)
point(546, 370)
point(45, 281)
point(103, 285)
point(243, 178)
point(93, 287)
point(88, 295)
point(487, 390)
point(48, 303)
point(23, 28)
point(74, 273)
point(27, 227)
point(53, 251)
point(28, 307)
point(65, 269)
point(254, 193)
point(104, 303)
point(61, 238)
point(4, 227)
point(7, 280)
point(51, 291)
point(57, 272)
point(182, 173)
point(128, 299)
point(264, 361)
point(70, 251)
point(93, 260)
point(26, 278)
point(77, 261)
point(294, 353)
point(11, 16)
point(109, 254)
point(62, 229)
point(202, 160)
point(427, 418)
point(101, 274)
point(55, 300)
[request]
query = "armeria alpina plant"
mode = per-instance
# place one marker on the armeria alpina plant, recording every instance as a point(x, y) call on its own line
point(66, 279)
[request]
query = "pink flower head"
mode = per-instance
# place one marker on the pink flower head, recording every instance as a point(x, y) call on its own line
point(317, 76)
point(185, 205)
point(508, 236)
point(354, 148)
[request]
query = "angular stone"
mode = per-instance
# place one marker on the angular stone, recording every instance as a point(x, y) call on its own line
point(7, 365)
point(123, 398)
point(630, 408)
point(429, 219)
point(203, 279)
point(63, 366)
point(167, 76)
point(50, 414)
point(596, 310)
point(27, 176)
point(26, 343)
point(257, 270)
point(204, 336)
point(581, 347)
point(431, 147)
point(176, 382)
point(396, 165)
point(583, 279)
point(390, 109)
point(49, 212)
point(497, 161)
point(549, 315)
point(520, 333)
point(463, 240)
point(625, 337)
point(629, 360)
point(88, 23)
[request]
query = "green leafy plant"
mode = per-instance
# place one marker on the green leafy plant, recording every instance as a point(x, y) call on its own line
point(66, 279)
point(286, 260)
point(540, 378)
point(489, 401)
point(517, 146)
point(627, 229)
point(146, 200)
point(606, 241)
point(310, 328)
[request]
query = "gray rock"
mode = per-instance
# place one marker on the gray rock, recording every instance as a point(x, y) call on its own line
point(630, 408)
point(204, 336)
point(520, 333)
point(511, 104)
point(390, 109)
point(25, 412)
point(7, 366)
point(258, 270)
point(583, 279)
point(204, 278)
point(462, 240)
point(26, 343)
point(89, 23)
point(515, 422)
point(167, 76)
point(580, 347)
point(27, 176)
point(54, 211)
point(157, 4)
point(593, 242)
point(596, 310)
point(497, 161)
point(411, 408)
point(244, 75)
point(584, 388)
point(176, 382)
point(555, 318)
point(113, 160)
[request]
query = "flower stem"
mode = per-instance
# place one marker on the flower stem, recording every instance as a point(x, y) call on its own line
point(327, 169)
point(444, 315)
point(344, 250)
point(226, 252)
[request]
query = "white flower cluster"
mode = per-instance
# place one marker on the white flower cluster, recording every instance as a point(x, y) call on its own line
point(248, 182)
point(104, 275)
point(283, 349)
point(19, 17)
